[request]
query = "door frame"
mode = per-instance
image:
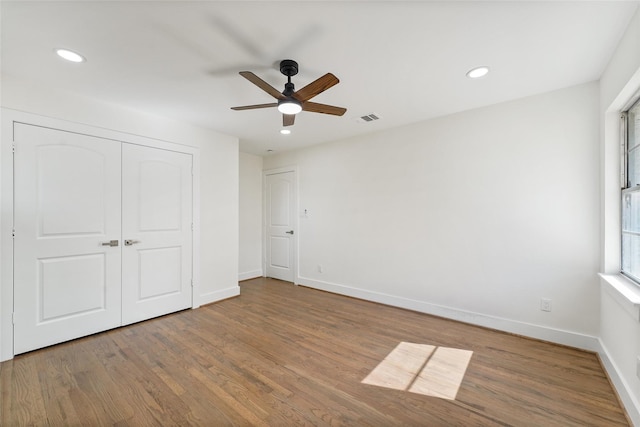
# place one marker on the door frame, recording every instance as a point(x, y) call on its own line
point(296, 218)
point(8, 119)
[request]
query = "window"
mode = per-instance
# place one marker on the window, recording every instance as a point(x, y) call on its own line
point(631, 193)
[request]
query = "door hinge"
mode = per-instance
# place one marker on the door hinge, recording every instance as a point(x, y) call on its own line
point(13, 148)
point(13, 232)
point(192, 283)
point(191, 226)
point(13, 318)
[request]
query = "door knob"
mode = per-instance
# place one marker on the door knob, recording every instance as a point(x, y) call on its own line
point(131, 242)
point(289, 232)
point(110, 243)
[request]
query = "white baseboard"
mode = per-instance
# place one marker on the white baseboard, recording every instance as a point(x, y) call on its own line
point(558, 336)
point(249, 275)
point(631, 405)
point(214, 296)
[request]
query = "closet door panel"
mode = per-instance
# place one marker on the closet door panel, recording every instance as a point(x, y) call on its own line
point(67, 208)
point(157, 231)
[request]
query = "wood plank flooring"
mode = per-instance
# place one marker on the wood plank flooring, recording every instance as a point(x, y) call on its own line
point(281, 355)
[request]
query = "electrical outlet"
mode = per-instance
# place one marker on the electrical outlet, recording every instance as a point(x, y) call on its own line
point(545, 304)
point(320, 270)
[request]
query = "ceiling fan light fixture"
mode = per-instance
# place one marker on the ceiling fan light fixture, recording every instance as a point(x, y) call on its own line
point(289, 106)
point(478, 72)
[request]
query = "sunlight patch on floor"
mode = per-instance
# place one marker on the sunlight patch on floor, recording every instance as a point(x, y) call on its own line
point(422, 368)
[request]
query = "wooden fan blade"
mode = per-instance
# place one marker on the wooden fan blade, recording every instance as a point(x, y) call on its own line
point(314, 107)
point(253, 107)
point(288, 119)
point(262, 84)
point(316, 87)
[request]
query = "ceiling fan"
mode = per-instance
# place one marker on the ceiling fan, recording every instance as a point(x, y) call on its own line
point(291, 102)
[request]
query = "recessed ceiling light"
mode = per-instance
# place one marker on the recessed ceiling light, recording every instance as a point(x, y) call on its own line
point(478, 72)
point(70, 55)
point(285, 131)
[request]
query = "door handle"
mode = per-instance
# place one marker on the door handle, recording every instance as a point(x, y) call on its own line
point(289, 232)
point(131, 242)
point(110, 243)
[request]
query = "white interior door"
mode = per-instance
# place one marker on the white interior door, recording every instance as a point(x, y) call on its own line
point(280, 219)
point(67, 207)
point(156, 231)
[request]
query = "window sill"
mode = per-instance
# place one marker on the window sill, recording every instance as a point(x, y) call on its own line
point(624, 291)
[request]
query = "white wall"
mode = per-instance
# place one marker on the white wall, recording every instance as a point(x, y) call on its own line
point(474, 216)
point(218, 177)
point(250, 220)
point(620, 300)
point(219, 218)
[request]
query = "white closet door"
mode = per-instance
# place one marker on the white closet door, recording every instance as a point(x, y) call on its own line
point(67, 205)
point(156, 231)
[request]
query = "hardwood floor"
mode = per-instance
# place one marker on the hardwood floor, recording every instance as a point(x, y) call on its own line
point(283, 355)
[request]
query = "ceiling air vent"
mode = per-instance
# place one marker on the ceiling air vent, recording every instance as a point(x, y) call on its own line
point(372, 117)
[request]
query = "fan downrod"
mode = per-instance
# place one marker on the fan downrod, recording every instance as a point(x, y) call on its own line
point(289, 67)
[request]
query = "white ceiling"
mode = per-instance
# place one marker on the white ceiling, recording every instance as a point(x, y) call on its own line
point(405, 61)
